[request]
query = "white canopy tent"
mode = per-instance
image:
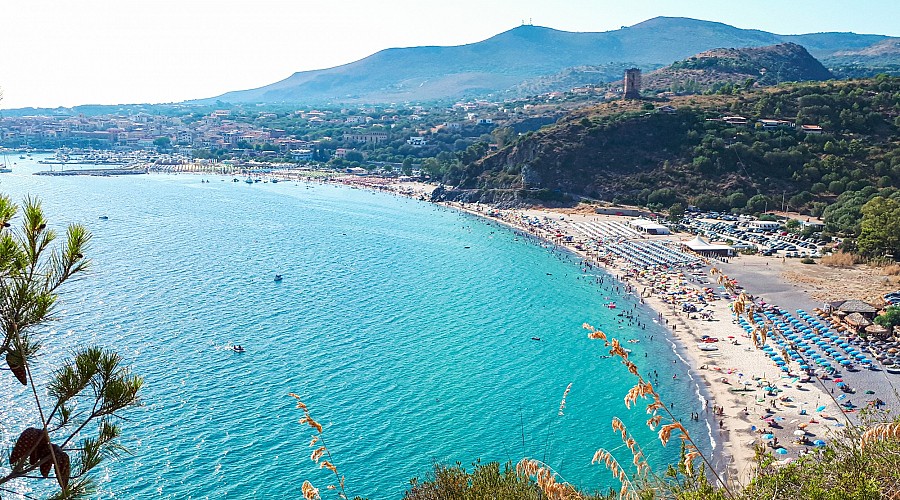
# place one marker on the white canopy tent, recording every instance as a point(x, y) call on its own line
point(704, 247)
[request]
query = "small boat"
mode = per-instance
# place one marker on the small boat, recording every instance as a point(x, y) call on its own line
point(611, 305)
point(535, 338)
point(237, 348)
point(706, 347)
point(104, 217)
point(274, 181)
point(249, 180)
point(278, 277)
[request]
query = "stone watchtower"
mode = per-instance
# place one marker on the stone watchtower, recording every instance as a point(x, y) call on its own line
point(632, 83)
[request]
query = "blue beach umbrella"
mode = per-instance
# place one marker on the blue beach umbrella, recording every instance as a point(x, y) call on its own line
point(768, 436)
point(781, 451)
point(820, 408)
point(845, 362)
point(819, 442)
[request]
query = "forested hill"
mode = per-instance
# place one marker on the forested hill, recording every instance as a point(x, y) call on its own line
point(639, 152)
point(764, 65)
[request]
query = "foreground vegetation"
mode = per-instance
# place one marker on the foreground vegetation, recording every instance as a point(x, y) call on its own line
point(74, 408)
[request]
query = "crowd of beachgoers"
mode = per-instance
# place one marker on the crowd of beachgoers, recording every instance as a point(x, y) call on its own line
point(792, 391)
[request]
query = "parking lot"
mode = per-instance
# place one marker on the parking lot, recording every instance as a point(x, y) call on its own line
point(742, 234)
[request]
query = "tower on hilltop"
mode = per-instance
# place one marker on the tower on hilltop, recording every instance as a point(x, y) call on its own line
point(632, 83)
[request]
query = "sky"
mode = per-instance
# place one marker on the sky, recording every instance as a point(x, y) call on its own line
point(71, 52)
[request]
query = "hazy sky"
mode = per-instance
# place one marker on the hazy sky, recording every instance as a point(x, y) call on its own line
point(68, 52)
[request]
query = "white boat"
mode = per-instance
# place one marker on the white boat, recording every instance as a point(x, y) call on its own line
point(706, 346)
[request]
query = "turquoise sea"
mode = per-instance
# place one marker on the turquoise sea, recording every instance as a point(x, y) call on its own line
point(407, 328)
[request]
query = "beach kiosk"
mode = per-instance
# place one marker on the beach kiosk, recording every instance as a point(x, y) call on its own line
point(649, 227)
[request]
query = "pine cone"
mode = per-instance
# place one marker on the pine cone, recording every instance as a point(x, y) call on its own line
point(14, 360)
point(29, 441)
point(63, 467)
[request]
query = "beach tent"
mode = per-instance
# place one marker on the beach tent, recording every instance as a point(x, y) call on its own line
point(704, 247)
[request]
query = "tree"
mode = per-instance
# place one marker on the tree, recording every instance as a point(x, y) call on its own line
point(162, 143)
point(406, 169)
point(354, 156)
point(503, 136)
point(889, 318)
point(76, 420)
point(758, 203)
point(676, 211)
point(880, 227)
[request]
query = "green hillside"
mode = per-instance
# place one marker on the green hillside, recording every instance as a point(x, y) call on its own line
point(628, 151)
point(764, 65)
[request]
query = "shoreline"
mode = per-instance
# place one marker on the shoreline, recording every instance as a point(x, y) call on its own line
point(734, 410)
point(720, 458)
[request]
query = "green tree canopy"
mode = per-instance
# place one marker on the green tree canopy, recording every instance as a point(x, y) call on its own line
point(880, 227)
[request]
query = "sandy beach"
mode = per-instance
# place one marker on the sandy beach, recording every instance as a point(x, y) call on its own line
point(753, 401)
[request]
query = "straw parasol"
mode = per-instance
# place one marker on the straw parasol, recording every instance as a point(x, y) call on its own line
point(877, 330)
point(856, 319)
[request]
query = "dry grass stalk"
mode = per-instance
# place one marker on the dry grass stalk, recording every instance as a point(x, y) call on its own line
point(545, 478)
point(644, 389)
point(880, 432)
point(562, 404)
point(310, 492)
point(892, 270)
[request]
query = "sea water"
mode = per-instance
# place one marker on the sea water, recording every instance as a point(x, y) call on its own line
point(406, 327)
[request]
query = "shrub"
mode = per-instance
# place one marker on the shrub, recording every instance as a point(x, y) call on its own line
point(841, 260)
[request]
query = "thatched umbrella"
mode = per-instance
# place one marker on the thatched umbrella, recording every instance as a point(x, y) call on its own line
point(857, 320)
point(877, 331)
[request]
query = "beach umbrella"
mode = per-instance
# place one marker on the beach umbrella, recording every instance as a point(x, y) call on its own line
point(798, 433)
point(840, 384)
point(819, 442)
point(781, 451)
point(845, 362)
point(768, 436)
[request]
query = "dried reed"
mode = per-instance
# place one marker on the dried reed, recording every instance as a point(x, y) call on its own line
point(645, 390)
point(546, 480)
point(562, 404)
point(880, 432)
point(310, 492)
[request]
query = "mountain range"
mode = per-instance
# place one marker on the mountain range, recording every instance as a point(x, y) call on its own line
point(501, 63)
